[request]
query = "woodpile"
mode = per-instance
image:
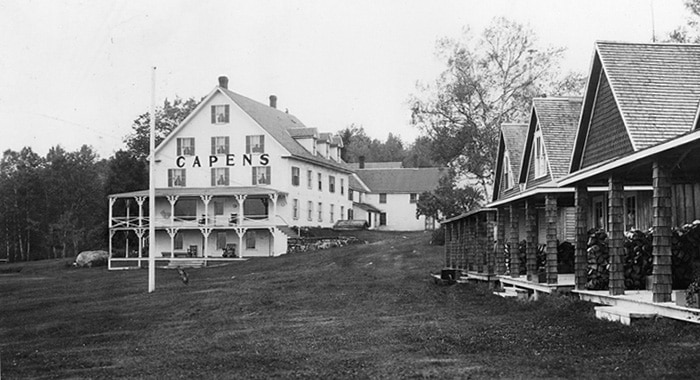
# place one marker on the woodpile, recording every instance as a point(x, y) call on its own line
point(598, 260)
point(565, 257)
point(685, 244)
point(638, 260)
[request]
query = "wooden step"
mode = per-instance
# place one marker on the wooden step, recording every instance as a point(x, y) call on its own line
point(622, 315)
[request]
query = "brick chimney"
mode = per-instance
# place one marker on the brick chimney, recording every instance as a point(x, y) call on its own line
point(273, 101)
point(223, 82)
point(362, 162)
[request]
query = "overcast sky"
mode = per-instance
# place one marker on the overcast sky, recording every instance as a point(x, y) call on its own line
point(78, 72)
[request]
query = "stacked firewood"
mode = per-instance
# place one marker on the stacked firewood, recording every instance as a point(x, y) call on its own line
point(565, 257)
point(598, 260)
point(638, 260)
point(684, 247)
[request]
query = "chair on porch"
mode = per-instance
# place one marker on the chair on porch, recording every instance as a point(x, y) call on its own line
point(230, 250)
point(192, 251)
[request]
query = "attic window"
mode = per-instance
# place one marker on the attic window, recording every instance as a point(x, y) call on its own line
point(220, 114)
point(540, 159)
point(507, 171)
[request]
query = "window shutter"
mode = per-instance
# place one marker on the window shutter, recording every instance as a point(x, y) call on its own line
point(213, 177)
point(179, 147)
point(226, 113)
point(262, 143)
point(213, 114)
point(184, 177)
point(170, 178)
point(226, 142)
point(247, 144)
point(254, 182)
point(213, 146)
point(226, 177)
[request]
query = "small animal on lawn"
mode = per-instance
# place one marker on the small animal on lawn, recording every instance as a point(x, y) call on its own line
point(183, 275)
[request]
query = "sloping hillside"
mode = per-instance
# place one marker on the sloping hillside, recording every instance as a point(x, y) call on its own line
point(365, 311)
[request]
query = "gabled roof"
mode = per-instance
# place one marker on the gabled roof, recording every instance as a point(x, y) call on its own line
point(656, 88)
point(303, 132)
point(376, 165)
point(558, 119)
point(407, 180)
point(355, 183)
point(512, 140)
point(275, 122)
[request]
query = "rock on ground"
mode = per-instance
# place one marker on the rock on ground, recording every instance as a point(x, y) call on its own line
point(91, 259)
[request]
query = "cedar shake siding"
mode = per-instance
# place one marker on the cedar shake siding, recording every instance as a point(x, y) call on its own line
point(607, 135)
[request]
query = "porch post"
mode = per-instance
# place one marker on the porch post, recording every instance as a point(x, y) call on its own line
point(458, 247)
point(111, 212)
point(240, 232)
point(172, 199)
point(513, 242)
point(662, 280)
point(273, 199)
point(447, 249)
point(551, 217)
point(206, 199)
point(172, 232)
point(581, 258)
point(240, 198)
point(489, 242)
point(531, 238)
point(111, 235)
point(474, 262)
point(140, 201)
point(126, 234)
point(616, 226)
point(139, 233)
point(500, 241)
point(481, 243)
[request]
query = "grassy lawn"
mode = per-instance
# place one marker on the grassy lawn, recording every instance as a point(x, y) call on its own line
point(363, 311)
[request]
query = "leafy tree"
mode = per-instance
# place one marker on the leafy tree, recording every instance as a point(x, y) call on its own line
point(449, 198)
point(689, 33)
point(357, 144)
point(420, 153)
point(168, 116)
point(488, 81)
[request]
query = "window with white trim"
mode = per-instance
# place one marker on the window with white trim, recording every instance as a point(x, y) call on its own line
point(508, 179)
point(219, 177)
point(382, 198)
point(331, 183)
point(219, 145)
point(295, 176)
point(261, 175)
point(295, 208)
point(342, 186)
point(310, 211)
point(309, 179)
point(219, 114)
point(177, 178)
point(413, 198)
point(320, 211)
point(255, 144)
point(185, 146)
point(332, 213)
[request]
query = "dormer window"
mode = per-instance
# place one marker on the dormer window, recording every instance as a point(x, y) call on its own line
point(540, 157)
point(255, 144)
point(185, 146)
point(508, 179)
point(219, 114)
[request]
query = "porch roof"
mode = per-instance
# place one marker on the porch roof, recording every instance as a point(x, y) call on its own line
point(366, 207)
point(195, 191)
point(468, 214)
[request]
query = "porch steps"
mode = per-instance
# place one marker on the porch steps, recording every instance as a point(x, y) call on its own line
point(513, 292)
point(190, 263)
point(287, 231)
point(622, 315)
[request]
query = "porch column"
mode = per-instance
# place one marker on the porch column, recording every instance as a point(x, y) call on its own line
point(531, 239)
point(474, 262)
point(240, 198)
point(111, 212)
point(489, 242)
point(139, 233)
point(240, 232)
point(500, 242)
point(273, 199)
point(616, 236)
point(140, 201)
point(662, 279)
point(126, 234)
point(172, 199)
point(172, 232)
point(206, 231)
point(111, 235)
point(206, 199)
point(514, 241)
point(550, 206)
point(581, 258)
point(271, 252)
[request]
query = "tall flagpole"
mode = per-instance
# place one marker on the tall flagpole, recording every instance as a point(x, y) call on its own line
point(152, 191)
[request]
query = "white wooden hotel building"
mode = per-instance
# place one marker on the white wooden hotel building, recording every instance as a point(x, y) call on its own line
point(231, 180)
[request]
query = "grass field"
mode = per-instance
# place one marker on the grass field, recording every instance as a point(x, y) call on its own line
point(363, 311)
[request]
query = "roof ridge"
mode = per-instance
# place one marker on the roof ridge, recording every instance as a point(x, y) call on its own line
point(647, 43)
